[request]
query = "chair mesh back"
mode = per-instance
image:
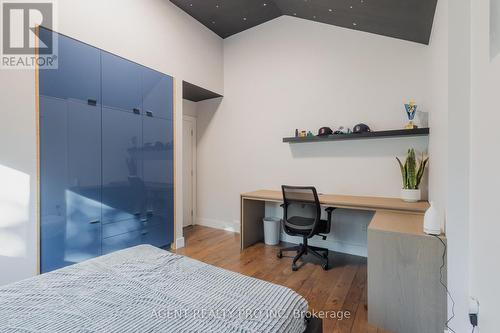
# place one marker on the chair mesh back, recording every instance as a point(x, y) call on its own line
point(300, 195)
point(296, 194)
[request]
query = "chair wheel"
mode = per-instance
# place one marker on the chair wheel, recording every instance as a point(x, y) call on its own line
point(325, 266)
point(280, 255)
point(295, 268)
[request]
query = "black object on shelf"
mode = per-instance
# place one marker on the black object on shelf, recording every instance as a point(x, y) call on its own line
point(359, 136)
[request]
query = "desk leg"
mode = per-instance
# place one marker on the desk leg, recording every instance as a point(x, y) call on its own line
point(251, 227)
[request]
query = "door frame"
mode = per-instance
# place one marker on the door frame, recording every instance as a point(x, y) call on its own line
point(194, 167)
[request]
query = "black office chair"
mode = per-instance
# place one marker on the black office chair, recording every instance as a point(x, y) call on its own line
point(307, 227)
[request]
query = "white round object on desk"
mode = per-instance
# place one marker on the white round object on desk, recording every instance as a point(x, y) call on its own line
point(432, 221)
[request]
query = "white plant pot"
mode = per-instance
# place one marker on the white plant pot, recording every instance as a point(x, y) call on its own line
point(410, 195)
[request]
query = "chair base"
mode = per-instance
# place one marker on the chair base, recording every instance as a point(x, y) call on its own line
point(304, 248)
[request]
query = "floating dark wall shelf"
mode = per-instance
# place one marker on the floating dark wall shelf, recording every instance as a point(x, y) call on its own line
point(359, 136)
point(196, 94)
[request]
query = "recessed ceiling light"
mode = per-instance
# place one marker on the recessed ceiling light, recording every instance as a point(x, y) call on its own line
point(265, 4)
point(314, 17)
point(244, 19)
point(350, 7)
point(190, 5)
point(330, 10)
point(216, 6)
point(294, 14)
point(354, 24)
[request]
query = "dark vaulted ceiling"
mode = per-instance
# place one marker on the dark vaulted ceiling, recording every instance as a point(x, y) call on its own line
point(405, 19)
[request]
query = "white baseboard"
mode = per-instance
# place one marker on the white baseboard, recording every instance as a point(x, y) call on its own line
point(218, 224)
point(179, 243)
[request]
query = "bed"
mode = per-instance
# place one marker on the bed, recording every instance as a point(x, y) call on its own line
point(146, 289)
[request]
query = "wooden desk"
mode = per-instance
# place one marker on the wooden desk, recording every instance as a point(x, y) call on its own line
point(404, 291)
point(253, 210)
point(347, 201)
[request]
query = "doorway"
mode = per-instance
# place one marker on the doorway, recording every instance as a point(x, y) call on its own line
point(189, 170)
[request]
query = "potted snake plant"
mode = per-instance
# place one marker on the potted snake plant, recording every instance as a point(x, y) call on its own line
point(412, 175)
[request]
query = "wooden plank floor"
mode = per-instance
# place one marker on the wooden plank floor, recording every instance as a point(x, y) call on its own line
point(342, 287)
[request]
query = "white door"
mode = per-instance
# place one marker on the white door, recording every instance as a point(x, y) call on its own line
point(189, 171)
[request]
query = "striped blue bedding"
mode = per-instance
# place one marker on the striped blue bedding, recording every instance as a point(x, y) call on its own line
point(146, 289)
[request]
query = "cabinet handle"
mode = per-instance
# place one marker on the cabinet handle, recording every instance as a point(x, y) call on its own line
point(149, 113)
point(92, 102)
point(136, 111)
point(94, 221)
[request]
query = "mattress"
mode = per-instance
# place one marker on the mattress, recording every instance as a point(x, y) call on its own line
point(145, 289)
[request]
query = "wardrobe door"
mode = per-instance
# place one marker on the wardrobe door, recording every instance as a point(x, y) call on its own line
point(121, 84)
point(157, 90)
point(53, 182)
point(158, 179)
point(70, 155)
point(70, 150)
point(123, 189)
point(83, 194)
point(78, 74)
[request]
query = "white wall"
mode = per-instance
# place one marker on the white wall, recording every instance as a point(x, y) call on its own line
point(448, 144)
point(291, 73)
point(154, 33)
point(438, 103)
point(457, 223)
point(189, 108)
point(484, 165)
point(17, 175)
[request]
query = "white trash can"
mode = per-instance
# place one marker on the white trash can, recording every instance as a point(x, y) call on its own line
point(272, 229)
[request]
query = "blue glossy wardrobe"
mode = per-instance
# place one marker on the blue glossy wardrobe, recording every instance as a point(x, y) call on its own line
point(106, 155)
